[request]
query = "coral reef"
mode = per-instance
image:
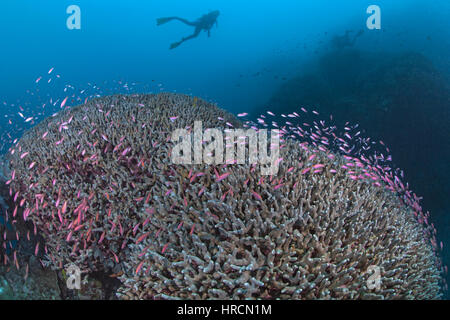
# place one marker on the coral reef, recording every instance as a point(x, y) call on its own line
point(97, 182)
point(400, 98)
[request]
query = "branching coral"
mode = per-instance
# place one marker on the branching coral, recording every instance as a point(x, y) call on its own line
point(98, 182)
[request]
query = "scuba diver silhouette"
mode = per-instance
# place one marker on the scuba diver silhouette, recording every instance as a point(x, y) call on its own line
point(340, 42)
point(205, 22)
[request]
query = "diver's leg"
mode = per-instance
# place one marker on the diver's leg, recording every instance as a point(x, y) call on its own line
point(161, 21)
point(192, 36)
point(359, 34)
point(189, 23)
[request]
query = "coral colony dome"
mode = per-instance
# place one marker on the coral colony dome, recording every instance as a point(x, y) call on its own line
point(94, 186)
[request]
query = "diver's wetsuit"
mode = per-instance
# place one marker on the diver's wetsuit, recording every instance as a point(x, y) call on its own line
point(205, 22)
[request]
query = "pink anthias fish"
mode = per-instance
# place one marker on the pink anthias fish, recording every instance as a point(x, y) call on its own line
point(222, 177)
point(256, 195)
point(24, 155)
point(63, 103)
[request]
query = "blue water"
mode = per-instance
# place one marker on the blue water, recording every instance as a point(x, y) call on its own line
point(256, 44)
point(120, 40)
point(10, 244)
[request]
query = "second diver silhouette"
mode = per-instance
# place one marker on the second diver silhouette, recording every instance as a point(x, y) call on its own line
point(340, 42)
point(205, 23)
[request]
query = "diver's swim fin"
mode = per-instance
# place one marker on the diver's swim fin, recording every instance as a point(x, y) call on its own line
point(174, 45)
point(161, 21)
